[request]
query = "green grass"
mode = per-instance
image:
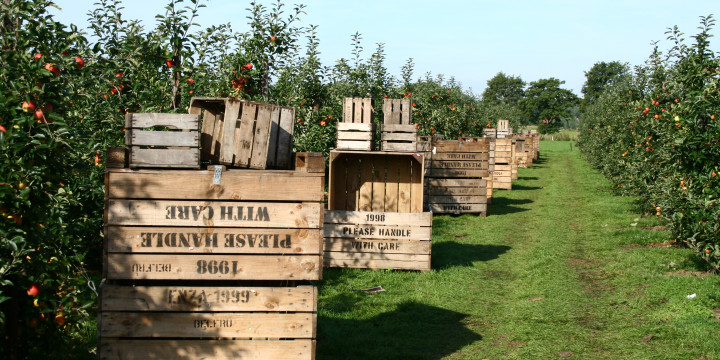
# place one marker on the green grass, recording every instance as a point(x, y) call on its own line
point(560, 268)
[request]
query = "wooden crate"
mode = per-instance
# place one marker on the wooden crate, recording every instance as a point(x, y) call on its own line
point(397, 137)
point(522, 150)
point(162, 140)
point(463, 166)
point(355, 136)
point(377, 240)
point(397, 112)
point(201, 321)
point(245, 134)
point(213, 225)
point(502, 173)
point(376, 181)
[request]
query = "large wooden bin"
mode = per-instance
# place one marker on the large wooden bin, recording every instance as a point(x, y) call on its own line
point(211, 263)
point(375, 217)
point(457, 178)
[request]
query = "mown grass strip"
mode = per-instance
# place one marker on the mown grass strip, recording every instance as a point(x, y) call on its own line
point(560, 268)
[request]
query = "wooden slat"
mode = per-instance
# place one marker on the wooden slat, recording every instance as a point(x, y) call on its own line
point(461, 146)
point(387, 111)
point(386, 261)
point(406, 110)
point(338, 183)
point(370, 231)
point(347, 111)
point(285, 138)
point(209, 213)
point(398, 136)
point(199, 185)
point(365, 191)
point(165, 138)
point(404, 186)
point(212, 267)
point(244, 134)
point(467, 191)
point(378, 246)
point(396, 111)
point(208, 325)
point(380, 218)
point(354, 145)
point(407, 128)
point(477, 156)
point(378, 183)
point(458, 208)
point(392, 187)
point(357, 110)
point(416, 183)
point(395, 146)
point(177, 158)
point(175, 121)
point(272, 148)
point(353, 184)
point(450, 164)
point(457, 199)
point(354, 135)
point(367, 113)
point(356, 127)
point(449, 173)
point(456, 182)
point(180, 240)
point(209, 298)
point(115, 349)
point(261, 139)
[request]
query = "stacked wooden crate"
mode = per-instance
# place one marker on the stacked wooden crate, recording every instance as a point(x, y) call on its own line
point(165, 140)
point(504, 163)
point(211, 263)
point(398, 133)
point(457, 179)
point(356, 131)
point(536, 144)
point(523, 150)
point(375, 217)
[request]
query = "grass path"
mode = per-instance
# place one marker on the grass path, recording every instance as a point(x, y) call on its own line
point(559, 269)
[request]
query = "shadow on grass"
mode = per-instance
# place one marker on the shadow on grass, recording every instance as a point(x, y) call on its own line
point(523, 187)
point(528, 178)
point(450, 253)
point(503, 206)
point(411, 331)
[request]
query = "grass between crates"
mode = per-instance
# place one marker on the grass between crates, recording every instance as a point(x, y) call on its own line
point(560, 268)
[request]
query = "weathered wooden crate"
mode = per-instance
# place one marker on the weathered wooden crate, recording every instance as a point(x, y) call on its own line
point(376, 181)
point(396, 137)
point(245, 134)
point(213, 225)
point(378, 240)
point(355, 136)
point(162, 140)
point(523, 150)
point(397, 112)
point(536, 144)
point(313, 162)
point(502, 173)
point(463, 165)
point(207, 321)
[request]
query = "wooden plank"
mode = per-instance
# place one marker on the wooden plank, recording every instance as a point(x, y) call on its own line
point(353, 184)
point(457, 199)
point(174, 121)
point(285, 138)
point(391, 187)
point(395, 146)
point(230, 125)
point(122, 349)
point(209, 298)
point(354, 145)
point(272, 148)
point(357, 110)
point(212, 267)
point(467, 191)
point(387, 111)
point(367, 112)
point(449, 173)
point(354, 135)
point(398, 136)
point(379, 218)
point(404, 186)
point(378, 232)
point(406, 109)
point(450, 164)
point(501, 174)
point(238, 184)
point(458, 208)
point(311, 162)
point(379, 164)
point(177, 158)
point(261, 139)
point(456, 182)
point(378, 246)
point(338, 184)
point(385, 261)
point(476, 156)
point(165, 138)
point(347, 111)
point(213, 213)
point(396, 112)
point(460, 146)
point(417, 173)
point(244, 134)
point(207, 325)
point(356, 127)
point(181, 240)
point(365, 189)
point(407, 128)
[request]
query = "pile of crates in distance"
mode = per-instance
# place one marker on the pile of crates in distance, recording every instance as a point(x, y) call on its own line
point(375, 217)
point(503, 153)
point(205, 260)
point(457, 179)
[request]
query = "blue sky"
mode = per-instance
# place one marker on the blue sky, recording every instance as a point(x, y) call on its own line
point(470, 40)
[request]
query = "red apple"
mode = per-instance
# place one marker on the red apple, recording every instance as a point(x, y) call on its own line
point(272, 38)
point(28, 106)
point(54, 69)
point(39, 114)
point(2, 128)
point(169, 62)
point(38, 56)
point(190, 81)
point(33, 290)
point(79, 62)
point(119, 74)
point(249, 66)
point(60, 319)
